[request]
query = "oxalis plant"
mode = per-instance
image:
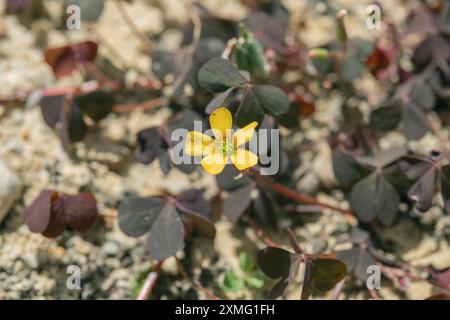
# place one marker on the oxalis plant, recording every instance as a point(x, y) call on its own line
point(235, 78)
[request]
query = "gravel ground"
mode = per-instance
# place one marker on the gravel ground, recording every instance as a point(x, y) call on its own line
point(33, 267)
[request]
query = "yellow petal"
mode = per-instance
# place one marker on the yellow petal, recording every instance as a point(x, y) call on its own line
point(221, 120)
point(244, 134)
point(198, 144)
point(244, 159)
point(214, 163)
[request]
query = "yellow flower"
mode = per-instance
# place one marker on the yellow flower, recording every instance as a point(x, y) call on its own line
point(216, 152)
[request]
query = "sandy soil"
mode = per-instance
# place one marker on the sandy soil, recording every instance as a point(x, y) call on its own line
point(33, 267)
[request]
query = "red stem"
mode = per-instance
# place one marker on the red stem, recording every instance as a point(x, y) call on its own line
point(260, 232)
point(373, 294)
point(295, 195)
point(150, 282)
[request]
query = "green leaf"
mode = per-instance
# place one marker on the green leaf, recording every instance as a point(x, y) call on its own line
point(250, 110)
point(218, 101)
point(218, 75)
point(361, 48)
point(351, 68)
point(250, 54)
point(231, 282)
point(254, 282)
point(261, 100)
point(341, 33)
point(321, 59)
point(246, 262)
point(274, 101)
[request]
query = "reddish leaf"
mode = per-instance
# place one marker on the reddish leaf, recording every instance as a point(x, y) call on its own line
point(378, 60)
point(17, 6)
point(64, 60)
point(441, 276)
point(52, 212)
point(151, 145)
point(422, 192)
point(373, 197)
point(192, 200)
point(37, 214)
point(237, 202)
point(51, 109)
point(357, 260)
point(160, 218)
point(203, 225)
point(435, 47)
point(80, 211)
point(57, 223)
point(445, 187)
point(166, 234)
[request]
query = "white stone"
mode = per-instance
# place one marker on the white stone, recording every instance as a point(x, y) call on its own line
point(10, 189)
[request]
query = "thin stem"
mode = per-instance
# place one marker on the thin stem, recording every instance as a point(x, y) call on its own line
point(260, 232)
point(394, 273)
point(294, 242)
point(150, 282)
point(295, 195)
point(373, 294)
point(338, 289)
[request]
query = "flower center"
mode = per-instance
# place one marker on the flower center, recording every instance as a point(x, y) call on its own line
point(225, 148)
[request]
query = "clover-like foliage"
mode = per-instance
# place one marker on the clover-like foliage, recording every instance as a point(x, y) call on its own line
point(433, 174)
point(52, 212)
point(155, 142)
point(382, 105)
point(245, 195)
point(360, 256)
point(65, 113)
point(372, 195)
point(165, 220)
point(322, 271)
point(221, 76)
point(64, 59)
